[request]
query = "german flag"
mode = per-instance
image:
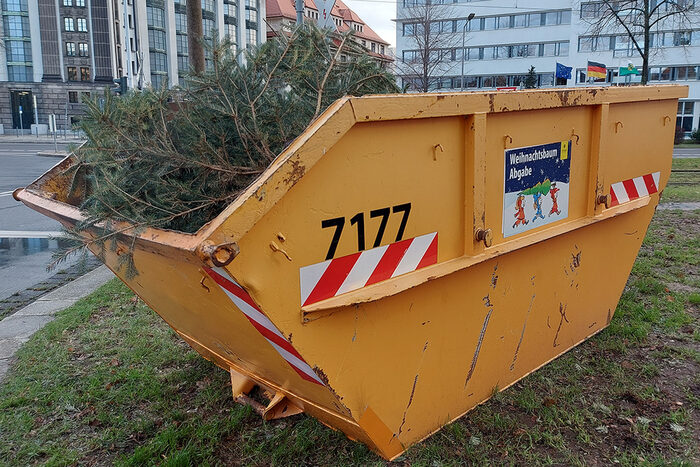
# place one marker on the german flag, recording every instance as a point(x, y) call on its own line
point(596, 70)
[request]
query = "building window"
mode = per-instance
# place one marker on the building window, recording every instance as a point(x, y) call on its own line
point(82, 25)
point(80, 3)
point(252, 37)
point(181, 44)
point(159, 62)
point(68, 24)
point(19, 73)
point(84, 73)
point(684, 119)
point(155, 17)
point(85, 95)
point(70, 49)
point(14, 6)
point(72, 97)
point(18, 51)
point(231, 31)
point(16, 26)
point(681, 38)
point(207, 28)
point(156, 39)
point(157, 80)
point(83, 49)
point(72, 73)
point(181, 23)
point(67, 2)
point(183, 64)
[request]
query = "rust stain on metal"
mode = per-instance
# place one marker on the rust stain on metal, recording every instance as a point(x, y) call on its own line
point(575, 261)
point(295, 173)
point(494, 277)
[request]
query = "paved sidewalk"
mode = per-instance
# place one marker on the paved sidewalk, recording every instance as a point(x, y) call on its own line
point(17, 328)
point(60, 139)
point(691, 206)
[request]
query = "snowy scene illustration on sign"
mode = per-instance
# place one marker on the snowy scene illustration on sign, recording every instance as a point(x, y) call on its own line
point(536, 186)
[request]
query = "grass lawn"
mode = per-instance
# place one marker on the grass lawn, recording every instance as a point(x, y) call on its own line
point(108, 383)
point(683, 186)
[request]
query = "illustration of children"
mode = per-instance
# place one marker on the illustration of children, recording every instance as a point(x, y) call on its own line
point(553, 193)
point(537, 198)
point(519, 212)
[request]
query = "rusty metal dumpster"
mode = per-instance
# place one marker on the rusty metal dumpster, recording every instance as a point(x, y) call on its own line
point(409, 254)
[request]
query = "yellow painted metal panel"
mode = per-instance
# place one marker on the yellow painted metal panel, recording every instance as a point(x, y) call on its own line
point(311, 311)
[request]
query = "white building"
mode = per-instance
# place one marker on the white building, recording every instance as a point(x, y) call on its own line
point(157, 33)
point(506, 37)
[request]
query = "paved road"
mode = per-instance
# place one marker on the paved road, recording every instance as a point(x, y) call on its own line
point(23, 259)
point(685, 153)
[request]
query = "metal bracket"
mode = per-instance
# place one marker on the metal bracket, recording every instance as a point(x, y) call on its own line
point(278, 407)
point(435, 150)
point(217, 255)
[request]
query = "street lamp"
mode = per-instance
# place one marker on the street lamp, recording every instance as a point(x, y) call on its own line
point(464, 34)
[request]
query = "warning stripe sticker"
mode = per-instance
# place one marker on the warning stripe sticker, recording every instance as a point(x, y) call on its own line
point(634, 188)
point(345, 274)
point(244, 302)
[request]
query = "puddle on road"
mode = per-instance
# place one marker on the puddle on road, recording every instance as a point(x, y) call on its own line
point(12, 249)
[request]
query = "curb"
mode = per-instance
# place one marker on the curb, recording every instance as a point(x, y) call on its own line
point(17, 328)
point(62, 155)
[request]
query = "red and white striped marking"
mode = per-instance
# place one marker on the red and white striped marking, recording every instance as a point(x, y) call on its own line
point(638, 187)
point(262, 323)
point(337, 276)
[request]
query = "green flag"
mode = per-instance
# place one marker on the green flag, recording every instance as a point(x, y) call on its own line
point(629, 70)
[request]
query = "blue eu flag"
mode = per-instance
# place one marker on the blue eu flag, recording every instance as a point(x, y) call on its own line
point(563, 71)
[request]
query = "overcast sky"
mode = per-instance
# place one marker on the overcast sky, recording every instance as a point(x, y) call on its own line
point(378, 14)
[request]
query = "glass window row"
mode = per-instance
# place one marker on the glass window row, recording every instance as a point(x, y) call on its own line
point(77, 3)
point(478, 82)
point(82, 49)
point(529, 20)
point(600, 8)
point(499, 52)
point(69, 24)
point(623, 46)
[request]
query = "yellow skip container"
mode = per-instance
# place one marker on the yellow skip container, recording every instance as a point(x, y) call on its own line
point(409, 254)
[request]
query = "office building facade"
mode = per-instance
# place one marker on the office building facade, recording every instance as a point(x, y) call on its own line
point(506, 37)
point(57, 52)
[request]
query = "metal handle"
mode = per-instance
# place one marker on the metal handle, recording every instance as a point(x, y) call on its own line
point(484, 235)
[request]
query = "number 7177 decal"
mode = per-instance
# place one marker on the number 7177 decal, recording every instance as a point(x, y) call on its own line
point(359, 220)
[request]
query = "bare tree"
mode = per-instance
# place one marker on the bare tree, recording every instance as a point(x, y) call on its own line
point(638, 19)
point(432, 39)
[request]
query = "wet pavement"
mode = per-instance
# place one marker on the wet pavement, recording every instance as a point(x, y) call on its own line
point(26, 246)
point(23, 263)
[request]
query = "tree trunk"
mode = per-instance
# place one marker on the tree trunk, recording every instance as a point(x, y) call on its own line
point(195, 42)
point(645, 55)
